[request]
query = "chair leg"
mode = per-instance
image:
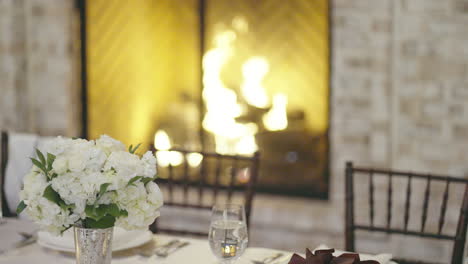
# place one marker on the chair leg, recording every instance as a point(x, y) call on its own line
point(349, 207)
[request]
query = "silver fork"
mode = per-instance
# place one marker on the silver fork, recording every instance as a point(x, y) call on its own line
point(28, 239)
point(149, 253)
point(25, 235)
point(269, 259)
point(170, 250)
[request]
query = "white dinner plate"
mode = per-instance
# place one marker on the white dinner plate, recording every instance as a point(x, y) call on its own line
point(124, 241)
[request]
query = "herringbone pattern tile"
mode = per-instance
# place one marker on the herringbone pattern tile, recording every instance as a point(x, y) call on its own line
point(141, 55)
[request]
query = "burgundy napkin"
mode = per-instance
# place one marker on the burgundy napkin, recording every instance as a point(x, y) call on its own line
point(325, 256)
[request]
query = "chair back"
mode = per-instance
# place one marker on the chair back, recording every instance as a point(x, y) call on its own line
point(202, 179)
point(15, 148)
point(458, 238)
point(3, 164)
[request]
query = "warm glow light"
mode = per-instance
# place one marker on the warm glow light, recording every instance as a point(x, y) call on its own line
point(246, 145)
point(225, 38)
point(194, 159)
point(254, 70)
point(276, 119)
point(222, 107)
point(240, 24)
point(173, 158)
point(162, 142)
point(220, 101)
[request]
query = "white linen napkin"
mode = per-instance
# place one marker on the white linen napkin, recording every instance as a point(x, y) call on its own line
point(384, 258)
point(20, 148)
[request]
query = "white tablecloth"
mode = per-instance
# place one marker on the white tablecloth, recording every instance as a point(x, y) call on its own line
point(198, 251)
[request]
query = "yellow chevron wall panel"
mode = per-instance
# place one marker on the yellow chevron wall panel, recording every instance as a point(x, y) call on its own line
point(141, 55)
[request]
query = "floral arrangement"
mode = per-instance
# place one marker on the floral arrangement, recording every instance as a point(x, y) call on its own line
point(325, 256)
point(92, 184)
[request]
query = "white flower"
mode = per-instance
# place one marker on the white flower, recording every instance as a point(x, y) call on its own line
point(154, 194)
point(91, 173)
point(60, 165)
point(34, 185)
point(76, 163)
point(57, 146)
point(149, 164)
point(142, 204)
point(126, 165)
point(109, 145)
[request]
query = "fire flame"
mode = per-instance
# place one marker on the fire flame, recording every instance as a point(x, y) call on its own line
point(254, 70)
point(221, 103)
point(276, 119)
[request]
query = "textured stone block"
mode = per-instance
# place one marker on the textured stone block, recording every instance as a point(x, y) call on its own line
point(460, 92)
point(426, 6)
point(460, 132)
point(461, 6)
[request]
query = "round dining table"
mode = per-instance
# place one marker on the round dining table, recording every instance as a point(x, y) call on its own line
point(197, 250)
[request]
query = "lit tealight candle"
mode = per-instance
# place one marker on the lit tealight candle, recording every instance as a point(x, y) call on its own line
point(228, 250)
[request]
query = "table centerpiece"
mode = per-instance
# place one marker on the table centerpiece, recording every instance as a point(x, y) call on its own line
point(92, 186)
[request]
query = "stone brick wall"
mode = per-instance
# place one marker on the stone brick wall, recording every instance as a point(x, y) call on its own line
point(39, 82)
point(399, 85)
point(399, 100)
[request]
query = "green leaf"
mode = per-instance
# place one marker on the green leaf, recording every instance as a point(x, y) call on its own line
point(39, 165)
point(94, 213)
point(51, 195)
point(53, 176)
point(41, 156)
point(123, 213)
point(105, 222)
point(75, 138)
point(113, 210)
point(132, 150)
point(145, 180)
point(50, 160)
point(103, 189)
point(65, 206)
point(90, 211)
point(133, 180)
point(21, 207)
point(100, 212)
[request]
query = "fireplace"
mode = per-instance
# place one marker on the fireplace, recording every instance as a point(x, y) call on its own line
point(232, 77)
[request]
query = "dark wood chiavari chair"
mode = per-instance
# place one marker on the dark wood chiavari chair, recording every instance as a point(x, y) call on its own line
point(3, 164)
point(458, 239)
point(207, 180)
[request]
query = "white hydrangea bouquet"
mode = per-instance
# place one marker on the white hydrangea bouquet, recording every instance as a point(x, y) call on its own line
point(91, 184)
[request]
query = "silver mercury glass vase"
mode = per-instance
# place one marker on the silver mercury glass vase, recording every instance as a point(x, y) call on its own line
point(93, 246)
